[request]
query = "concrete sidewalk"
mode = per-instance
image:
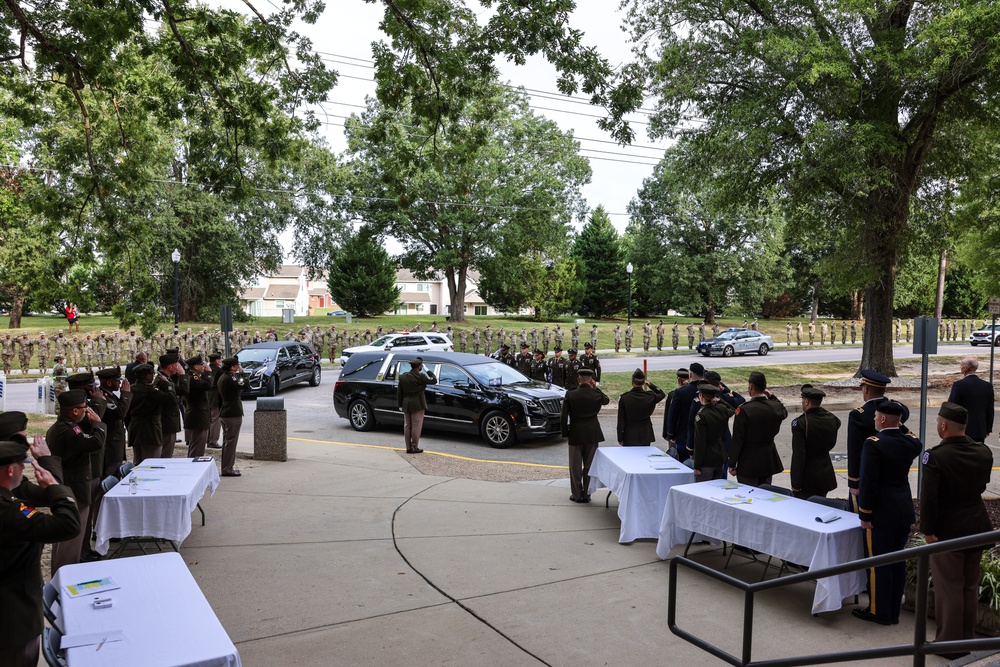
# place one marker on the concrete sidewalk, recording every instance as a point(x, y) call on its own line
point(348, 555)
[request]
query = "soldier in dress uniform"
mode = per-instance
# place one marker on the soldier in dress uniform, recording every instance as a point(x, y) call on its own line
point(476, 339)
point(488, 339)
point(618, 338)
point(814, 435)
point(145, 434)
point(635, 409)
point(861, 426)
point(7, 352)
point(24, 531)
point(557, 335)
point(690, 332)
point(546, 339)
point(575, 336)
point(557, 368)
point(44, 345)
point(628, 337)
point(573, 366)
point(590, 361)
point(885, 507)
point(74, 444)
point(593, 337)
point(26, 350)
point(675, 335)
point(214, 404)
point(538, 369)
point(754, 458)
point(581, 427)
point(659, 335)
point(116, 408)
point(647, 335)
point(523, 360)
point(682, 379)
point(197, 406)
point(709, 427)
point(506, 357)
point(955, 475)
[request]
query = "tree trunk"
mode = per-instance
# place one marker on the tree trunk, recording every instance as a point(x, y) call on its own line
point(456, 287)
point(857, 304)
point(814, 311)
point(16, 311)
point(710, 312)
point(939, 300)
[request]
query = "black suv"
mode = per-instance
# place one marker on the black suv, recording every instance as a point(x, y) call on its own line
point(474, 394)
point(270, 367)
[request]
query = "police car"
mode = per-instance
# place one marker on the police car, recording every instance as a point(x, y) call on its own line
point(736, 341)
point(983, 336)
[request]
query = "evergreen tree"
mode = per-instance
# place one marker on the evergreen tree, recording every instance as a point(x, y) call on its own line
point(602, 267)
point(363, 276)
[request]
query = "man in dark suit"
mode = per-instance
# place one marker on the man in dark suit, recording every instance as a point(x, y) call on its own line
point(23, 532)
point(680, 410)
point(754, 458)
point(814, 435)
point(861, 426)
point(885, 507)
point(975, 395)
point(955, 475)
point(197, 410)
point(682, 379)
point(412, 401)
point(582, 429)
point(635, 428)
point(140, 358)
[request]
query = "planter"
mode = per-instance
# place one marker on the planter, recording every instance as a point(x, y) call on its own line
point(988, 623)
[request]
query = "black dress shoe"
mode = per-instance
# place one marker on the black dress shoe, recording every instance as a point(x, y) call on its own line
point(235, 473)
point(586, 499)
point(90, 557)
point(954, 656)
point(216, 446)
point(866, 615)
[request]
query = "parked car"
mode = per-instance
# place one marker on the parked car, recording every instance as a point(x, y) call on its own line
point(272, 366)
point(737, 341)
point(414, 342)
point(474, 394)
point(336, 313)
point(983, 336)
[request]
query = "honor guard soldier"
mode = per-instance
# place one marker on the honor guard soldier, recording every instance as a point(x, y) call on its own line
point(546, 339)
point(754, 458)
point(24, 531)
point(581, 427)
point(885, 507)
point(701, 332)
point(523, 360)
point(675, 336)
point(557, 335)
point(710, 424)
point(590, 361)
point(43, 345)
point(116, 408)
point(628, 338)
point(861, 426)
point(659, 335)
point(798, 333)
point(476, 340)
point(539, 369)
point(575, 336)
point(557, 368)
point(955, 475)
point(593, 338)
point(682, 379)
point(618, 338)
point(506, 357)
point(488, 339)
point(573, 366)
point(812, 332)
point(647, 335)
point(814, 435)
point(7, 352)
point(635, 407)
point(690, 332)
point(788, 334)
point(26, 350)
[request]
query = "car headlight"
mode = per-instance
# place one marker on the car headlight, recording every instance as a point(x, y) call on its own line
point(529, 404)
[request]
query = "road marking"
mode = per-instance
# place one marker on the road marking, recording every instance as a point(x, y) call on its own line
point(427, 451)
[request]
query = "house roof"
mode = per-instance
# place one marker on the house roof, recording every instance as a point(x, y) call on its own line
point(282, 292)
point(414, 297)
point(406, 276)
point(288, 271)
point(253, 294)
point(318, 291)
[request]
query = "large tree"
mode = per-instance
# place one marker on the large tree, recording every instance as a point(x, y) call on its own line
point(599, 252)
point(835, 99)
point(362, 275)
point(450, 194)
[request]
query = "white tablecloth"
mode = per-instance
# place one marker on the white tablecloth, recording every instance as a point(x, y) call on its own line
point(787, 529)
point(164, 617)
point(641, 490)
point(169, 491)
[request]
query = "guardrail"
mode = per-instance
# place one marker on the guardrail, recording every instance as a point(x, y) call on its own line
point(919, 648)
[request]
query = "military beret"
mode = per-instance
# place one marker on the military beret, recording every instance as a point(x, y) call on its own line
point(72, 398)
point(950, 411)
point(757, 379)
point(215, 356)
point(585, 372)
point(813, 393)
point(109, 373)
point(890, 408)
point(229, 362)
point(557, 349)
point(683, 373)
point(873, 379)
point(697, 368)
point(168, 359)
point(143, 369)
point(80, 379)
point(195, 361)
point(12, 422)
point(713, 377)
point(588, 346)
point(174, 350)
point(13, 451)
point(571, 351)
point(638, 374)
point(707, 388)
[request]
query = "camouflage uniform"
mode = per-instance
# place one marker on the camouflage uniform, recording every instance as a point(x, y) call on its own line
point(575, 338)
point(822, 333)
point(788, 334)
point(659, 335)
point(7, 352)
point(101, 345)
point(798, 333)
point(618, 337)
point(116, 349)
point(88, 348)
point(647, 335)
point(74, 352)
point(690, 330)
point(593, 337)
point(44, 346)
point(854, 332)
point(812, 332)
point(59, 375)
point(628, 338)
point(25, 351)
point(675, 335)
point(701, 332)
point(557, 334)
point(463, 340)
point(476, 340)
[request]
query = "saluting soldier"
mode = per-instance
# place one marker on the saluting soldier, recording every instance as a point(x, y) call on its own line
point(861, 426)
point(59, 375)
point(822, 333)
point(24, 531)
point(590, 361)
point(709, 429)
point(659, 335)
point(675, 335)
point(647, 335)
point(538, 369)
point(533, 337)
point(26, 350)
point(546, 339)
point(488, 339)
point(523, 360)
point(573, 366)
point(701, 332)
point(59, 345)
point(618, 337)
point(68, 440)
point(557, 368)
point(593, 337)
point(843, 332)
point(575, 336)
point(964, 330)
point(214, 404)
point(854, 332)
point(101, 345)
point(557, 335)
point(7, 352)
point(463, 340)
point(331, 341)
point(715, 329)
point(75, 350)
point(476, 340)
point(788, 334)
point(798, 333)
point(898, 325)
point(581, 427)
point(885, 507)
point(628, 338)
point(197, 406)
point(44, 345)
point(754, 458)
point(506, 357)
point(812, 332)
point(116, 408)
point(814, 435)
point(635, 407)
point(145, 433)
point(690, 332)
point(115, 348)
point(682, 379)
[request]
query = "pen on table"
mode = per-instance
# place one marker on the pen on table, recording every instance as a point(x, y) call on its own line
point(750, 491)
point(157, 467)
point(87, 583)
point(101, 644)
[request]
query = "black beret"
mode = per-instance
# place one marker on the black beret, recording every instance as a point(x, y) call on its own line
point(707, 388)
point(173, 350)
point(143, 369)
point(215, 356)
point(80, 379)
point(683, 373)
point(697, 368)
point(813, 393)
point(12, 422)
point(890, 408)
point(950, 411)
point(757, 379)
point(874, 379)
point(195, 361)
point(585, 372)
point(72, 398)
point(109, 373)
point(713, 377)
point(168, 359)
point(638, 374)
point(13, 451)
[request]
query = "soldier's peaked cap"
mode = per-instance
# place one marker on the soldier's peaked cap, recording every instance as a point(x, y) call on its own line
point(874, 379)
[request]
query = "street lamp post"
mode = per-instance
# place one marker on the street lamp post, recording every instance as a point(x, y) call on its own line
point(628, 269)
point(176, 256)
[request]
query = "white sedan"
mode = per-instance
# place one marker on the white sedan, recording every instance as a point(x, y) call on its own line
point(737, 341)
point(410, 342)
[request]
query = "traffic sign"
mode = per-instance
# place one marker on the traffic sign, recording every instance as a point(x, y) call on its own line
point(994, 305)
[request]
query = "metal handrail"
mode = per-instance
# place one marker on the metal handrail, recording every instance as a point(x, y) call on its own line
point(919, 649)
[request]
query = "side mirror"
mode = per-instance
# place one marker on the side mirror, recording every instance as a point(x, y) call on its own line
point(388, 347)
point(461, 384)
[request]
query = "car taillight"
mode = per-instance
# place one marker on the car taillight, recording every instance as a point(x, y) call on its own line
point(336, 385)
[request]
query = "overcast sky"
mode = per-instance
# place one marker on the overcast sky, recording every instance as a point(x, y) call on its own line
point(345, 32)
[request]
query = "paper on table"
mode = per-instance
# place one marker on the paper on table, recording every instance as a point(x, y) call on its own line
point(724, 484)
point(828, 517)
point(89, 639)
point(91, 587)
point(663, 466)
point(737, 500)
point(773, 498)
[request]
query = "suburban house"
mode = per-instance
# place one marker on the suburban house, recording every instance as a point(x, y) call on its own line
point(430, 296)
point(287, 288)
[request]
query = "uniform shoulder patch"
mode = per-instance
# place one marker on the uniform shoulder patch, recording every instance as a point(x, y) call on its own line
point(737, 411)
point(28, 512)
point(873, 438)
point(795, 422)
point(77, 430)
point(926, 458)
point(859, 410)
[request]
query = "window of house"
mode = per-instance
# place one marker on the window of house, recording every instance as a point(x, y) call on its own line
point(420, 307)
point(279, 303)
point(481, 310)
point(423, 287)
